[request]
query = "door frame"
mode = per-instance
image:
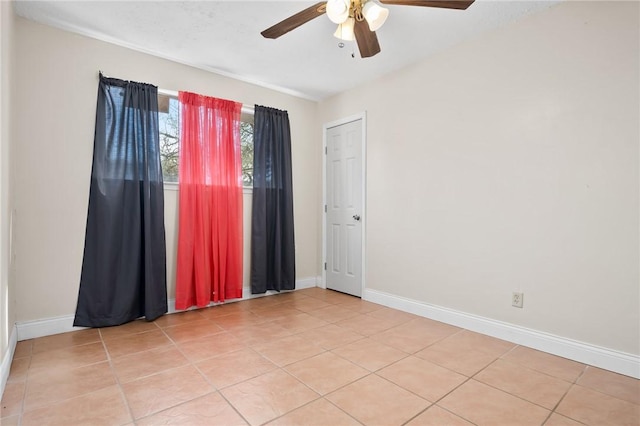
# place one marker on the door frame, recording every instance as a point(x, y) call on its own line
point(362, 116)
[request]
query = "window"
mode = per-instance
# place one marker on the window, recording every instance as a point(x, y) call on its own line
point(246, 141)
point(169, 125)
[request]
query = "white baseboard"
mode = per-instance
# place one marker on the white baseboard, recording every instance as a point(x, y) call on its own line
point(608, 359)
point(302, 283)
point(63, 324)
point(45, 327)
point(309, 282)
point(5, 367)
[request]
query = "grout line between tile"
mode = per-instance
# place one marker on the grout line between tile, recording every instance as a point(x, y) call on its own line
point(24, 392)
point(582, 373)
point(558, 404)
point(115, 376)
point(348, 414)
point(449, 393)
point(508, 352)
point(551, 411)
point(419, 413)
point(215, 388)
point(519, 365)
point(574, 383)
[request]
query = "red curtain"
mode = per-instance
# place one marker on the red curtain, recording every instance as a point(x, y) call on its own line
point(210, 213)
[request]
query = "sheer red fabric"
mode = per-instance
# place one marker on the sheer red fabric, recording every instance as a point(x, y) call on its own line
point(210, 214)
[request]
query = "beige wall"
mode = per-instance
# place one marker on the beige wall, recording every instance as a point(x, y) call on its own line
point(7, 298)
point(56, 86)
point(510, 162)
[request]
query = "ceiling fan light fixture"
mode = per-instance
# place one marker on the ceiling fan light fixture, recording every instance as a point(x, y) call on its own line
point(345, 30)
point(374, 14)
point(338, 10)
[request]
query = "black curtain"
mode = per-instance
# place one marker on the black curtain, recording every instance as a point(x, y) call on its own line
point(272, 239)
point(124, 266)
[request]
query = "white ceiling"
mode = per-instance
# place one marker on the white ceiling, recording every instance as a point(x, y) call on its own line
point(224, 36)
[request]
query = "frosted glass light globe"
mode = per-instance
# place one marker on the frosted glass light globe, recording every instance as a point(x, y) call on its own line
point(338, 10)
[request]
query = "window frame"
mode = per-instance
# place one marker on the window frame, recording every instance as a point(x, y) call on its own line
point(246, 110)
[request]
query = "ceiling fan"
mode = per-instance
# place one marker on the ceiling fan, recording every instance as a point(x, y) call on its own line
point(356, 19)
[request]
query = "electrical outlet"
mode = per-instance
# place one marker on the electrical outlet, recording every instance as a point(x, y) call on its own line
point(516, 299)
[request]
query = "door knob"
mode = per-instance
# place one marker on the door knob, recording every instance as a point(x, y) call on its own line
point(356, 217)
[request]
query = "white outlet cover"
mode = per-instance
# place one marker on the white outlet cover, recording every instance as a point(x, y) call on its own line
point(517, 299)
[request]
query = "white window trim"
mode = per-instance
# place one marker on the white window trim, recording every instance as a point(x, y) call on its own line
point(171, 186)
point(246, 109)
point(166, 92)
point(174, 186)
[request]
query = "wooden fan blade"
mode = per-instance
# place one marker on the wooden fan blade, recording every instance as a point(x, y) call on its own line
point(445, 4)
point(294, 21)
point(367, 39)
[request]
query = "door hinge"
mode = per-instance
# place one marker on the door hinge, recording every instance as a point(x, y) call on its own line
point(325, 266)
point(325, 150)
point(325, 208)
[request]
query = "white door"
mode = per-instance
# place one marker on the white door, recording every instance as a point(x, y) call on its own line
point(344, 189)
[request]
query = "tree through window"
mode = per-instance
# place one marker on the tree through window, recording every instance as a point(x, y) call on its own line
point(246, 141)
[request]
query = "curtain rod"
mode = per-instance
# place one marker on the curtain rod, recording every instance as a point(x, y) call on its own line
point(246, 109)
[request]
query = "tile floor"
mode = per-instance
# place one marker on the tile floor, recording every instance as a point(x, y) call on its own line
point(310, 357)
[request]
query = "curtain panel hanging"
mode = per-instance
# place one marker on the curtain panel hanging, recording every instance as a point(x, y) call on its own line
point(210, 213)
point(272, 238)
point(124, 265)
